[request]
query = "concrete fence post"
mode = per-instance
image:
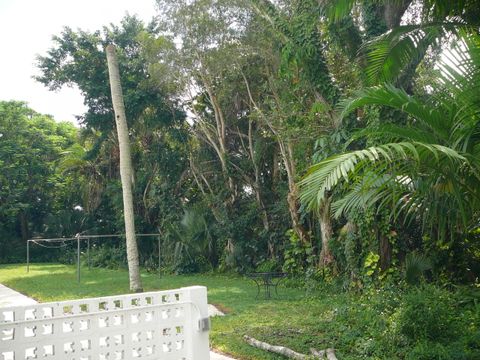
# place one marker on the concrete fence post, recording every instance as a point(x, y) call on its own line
point(197, 315)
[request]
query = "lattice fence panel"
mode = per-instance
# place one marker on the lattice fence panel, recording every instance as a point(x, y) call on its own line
point(164, 325)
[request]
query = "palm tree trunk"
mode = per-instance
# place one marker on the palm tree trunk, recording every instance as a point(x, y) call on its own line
point(126, 169)
point(394, 10)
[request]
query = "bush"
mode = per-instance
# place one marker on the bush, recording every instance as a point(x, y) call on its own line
point(434, 351)
point(67, 256)
point(429, 314)
point(415, 267)
point(298, 257)
point(110, 257)
point(472, 343)
point(190, 265)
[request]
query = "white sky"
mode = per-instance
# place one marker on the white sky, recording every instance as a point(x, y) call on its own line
point(26, 29)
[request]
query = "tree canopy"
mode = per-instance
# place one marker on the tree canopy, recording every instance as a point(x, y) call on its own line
point(329, 138)
point(32, 186)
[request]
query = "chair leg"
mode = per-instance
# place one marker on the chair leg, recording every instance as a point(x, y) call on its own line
point(258, 289)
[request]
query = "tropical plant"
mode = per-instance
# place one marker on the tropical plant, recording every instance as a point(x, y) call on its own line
point(415, 266)
point(424, 169)
point(414, 30)
point(191, 246)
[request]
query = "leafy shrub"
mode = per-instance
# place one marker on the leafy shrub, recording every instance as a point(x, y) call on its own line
point(415, 266)
point(110, 257)
point(185, 263)
point(371, 263)
point(428, 313)
point(68, 256)
point(298, 256)
point(472, 343)
point(426, 350)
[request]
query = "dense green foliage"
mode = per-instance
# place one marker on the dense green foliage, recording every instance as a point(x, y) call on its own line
point(230, 104)
point(338, 141)
point(33, 190)
point(418, 164)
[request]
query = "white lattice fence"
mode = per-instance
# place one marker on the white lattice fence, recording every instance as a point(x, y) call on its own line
point(164, 325)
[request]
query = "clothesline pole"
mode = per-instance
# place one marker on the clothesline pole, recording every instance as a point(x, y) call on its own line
point(78, 259)
point(28, 256)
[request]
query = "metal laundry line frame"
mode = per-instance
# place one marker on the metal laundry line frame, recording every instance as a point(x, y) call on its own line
point(78, 238)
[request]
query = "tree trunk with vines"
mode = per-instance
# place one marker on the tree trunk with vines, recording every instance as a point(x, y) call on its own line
point(326, 257)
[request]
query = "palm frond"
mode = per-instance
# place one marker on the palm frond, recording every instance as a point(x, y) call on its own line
point(388, 55)
point(324, 176)
point(367, 191)
point(433, 116)
point(337, 10)
point(459, 85)
point(441, 9)
point(415, 266)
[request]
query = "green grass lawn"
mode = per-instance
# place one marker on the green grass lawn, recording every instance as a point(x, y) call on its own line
point(288, 319)
point(356, 326)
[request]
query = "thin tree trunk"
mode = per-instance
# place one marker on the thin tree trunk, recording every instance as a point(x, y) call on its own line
point(275, 168)
point(221, 136)
point(126, 169)
point(394, 11)
point(325, 219)
point(385, 252)
point(292, 196)
point(257, 185)
point(289, 162)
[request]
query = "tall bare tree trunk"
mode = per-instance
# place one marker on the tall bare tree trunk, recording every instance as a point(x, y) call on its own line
point(220, 143)
point(126, 169)
point(292, 196)
point(286, 152)
point(256, 184)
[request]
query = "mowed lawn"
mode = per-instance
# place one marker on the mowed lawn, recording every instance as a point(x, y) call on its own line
point(291, 319)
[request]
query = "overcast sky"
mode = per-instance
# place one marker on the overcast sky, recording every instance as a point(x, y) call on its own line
point(26, 29)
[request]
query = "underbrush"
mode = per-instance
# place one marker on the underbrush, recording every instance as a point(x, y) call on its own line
point(417, 323)
point(438, 324)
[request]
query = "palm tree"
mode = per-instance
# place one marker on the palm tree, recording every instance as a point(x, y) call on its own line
point(427, 169)
point(126, 169)
point(394, 56)
point(76, 160)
